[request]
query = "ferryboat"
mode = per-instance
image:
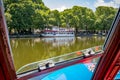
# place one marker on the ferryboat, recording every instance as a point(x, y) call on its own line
point(58, 32)
point(81, 67)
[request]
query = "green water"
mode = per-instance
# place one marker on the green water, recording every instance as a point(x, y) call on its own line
point(28, 50)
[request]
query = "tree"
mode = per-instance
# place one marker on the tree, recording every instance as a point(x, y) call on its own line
point(26, 15)
point(21, 19)
point(104, 17)
point(66, 17)
point(9, 21)
point(55, 18)
point(23, 14)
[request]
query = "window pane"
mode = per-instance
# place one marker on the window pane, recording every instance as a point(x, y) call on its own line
point(43, 31)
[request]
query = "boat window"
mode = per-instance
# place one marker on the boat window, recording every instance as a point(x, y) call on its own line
point(89, 24)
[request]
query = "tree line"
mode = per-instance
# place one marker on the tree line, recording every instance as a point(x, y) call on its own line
point(23, 16)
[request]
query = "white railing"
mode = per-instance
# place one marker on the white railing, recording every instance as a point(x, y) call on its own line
point(61, 58)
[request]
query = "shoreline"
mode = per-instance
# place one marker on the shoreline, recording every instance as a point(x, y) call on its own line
point(25, 36)
point(39, 36)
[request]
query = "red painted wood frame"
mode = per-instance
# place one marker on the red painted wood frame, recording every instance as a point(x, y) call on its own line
point(109, 64)
point(7, 71)
point(106, 70)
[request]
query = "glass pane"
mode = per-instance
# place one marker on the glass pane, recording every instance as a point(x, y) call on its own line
point(43, 31)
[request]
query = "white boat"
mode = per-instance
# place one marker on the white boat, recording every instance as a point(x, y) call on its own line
point(58, 32)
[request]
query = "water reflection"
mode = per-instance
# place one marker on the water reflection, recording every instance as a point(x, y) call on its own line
point(28, 50)
point(60, 41)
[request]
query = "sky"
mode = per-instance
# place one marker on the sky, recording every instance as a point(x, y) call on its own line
point(60, 5)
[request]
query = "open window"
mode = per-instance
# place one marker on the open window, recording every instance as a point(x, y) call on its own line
point(79, 58)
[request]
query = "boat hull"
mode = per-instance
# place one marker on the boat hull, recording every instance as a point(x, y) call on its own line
point(58, 35)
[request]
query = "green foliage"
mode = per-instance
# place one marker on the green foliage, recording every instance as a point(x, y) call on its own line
point(26, 15)
point(104, 17)
point(54, 18)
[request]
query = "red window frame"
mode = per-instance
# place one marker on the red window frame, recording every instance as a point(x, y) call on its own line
point(106, 70)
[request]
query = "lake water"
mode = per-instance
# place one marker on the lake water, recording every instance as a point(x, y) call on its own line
point(28, 50)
